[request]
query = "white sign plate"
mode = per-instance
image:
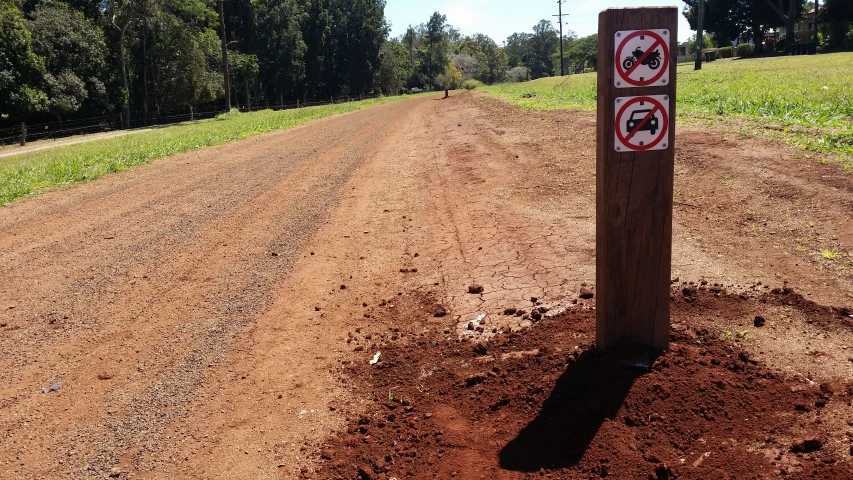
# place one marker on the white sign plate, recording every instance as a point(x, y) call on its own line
point(642, 58)
point(642, 123)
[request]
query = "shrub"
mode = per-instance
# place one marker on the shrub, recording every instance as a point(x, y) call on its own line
point(517, 74)
point(471, 84)
point(745, 49)
point(726, 52)
point(691, 43)
point(226, 115)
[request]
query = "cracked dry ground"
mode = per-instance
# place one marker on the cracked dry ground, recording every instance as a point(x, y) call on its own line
point(206, 314)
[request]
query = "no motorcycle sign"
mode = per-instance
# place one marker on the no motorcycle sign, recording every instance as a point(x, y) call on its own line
point(642, 58)
point(642, 123)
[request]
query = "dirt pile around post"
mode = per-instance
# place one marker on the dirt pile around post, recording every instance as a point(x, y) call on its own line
point(543, 402)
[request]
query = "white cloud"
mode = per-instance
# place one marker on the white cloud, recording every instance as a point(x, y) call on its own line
point(461, 16)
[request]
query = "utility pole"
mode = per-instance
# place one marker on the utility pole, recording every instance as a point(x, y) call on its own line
point(560, 20)
point(699, 40)
point(224, 57)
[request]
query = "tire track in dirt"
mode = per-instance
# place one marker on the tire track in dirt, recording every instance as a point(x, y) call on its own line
point(150, 340)
point(222, 360)
point(499, 177)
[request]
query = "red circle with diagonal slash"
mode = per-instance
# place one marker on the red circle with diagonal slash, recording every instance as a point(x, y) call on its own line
point(624, 75)
point(657, 106)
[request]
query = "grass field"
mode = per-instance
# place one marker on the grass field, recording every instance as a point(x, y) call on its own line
point(30, 173)
point(806, 99)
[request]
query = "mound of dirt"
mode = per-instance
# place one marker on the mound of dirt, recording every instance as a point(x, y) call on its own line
point(544, 402)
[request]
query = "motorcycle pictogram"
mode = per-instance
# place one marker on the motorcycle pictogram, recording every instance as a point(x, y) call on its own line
point(652, 60)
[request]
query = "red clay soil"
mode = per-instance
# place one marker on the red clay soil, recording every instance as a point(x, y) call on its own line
point(543, 402)
point(193, 309)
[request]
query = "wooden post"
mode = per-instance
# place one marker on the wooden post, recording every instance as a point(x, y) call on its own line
point(700, 40)
point(634, 181)
point(23, 134)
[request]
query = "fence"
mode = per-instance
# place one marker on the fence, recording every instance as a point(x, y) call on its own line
point(53, 130)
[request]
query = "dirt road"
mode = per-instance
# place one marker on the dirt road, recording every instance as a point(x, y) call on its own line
point(200, 312)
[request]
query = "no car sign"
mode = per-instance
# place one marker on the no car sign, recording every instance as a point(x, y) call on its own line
point(642, 123)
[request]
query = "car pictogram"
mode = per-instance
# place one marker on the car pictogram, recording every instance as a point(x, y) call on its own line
point(637, 116)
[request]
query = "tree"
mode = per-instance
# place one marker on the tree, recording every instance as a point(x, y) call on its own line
point(244, 70)
point(21, 69)
point(518, 74)
point(516, 48)
point(583, 52)
point(393, 67)
point(436, 45)
point(468, 65)
point(449, 79)
point(121, 17)
point(789, 11)
point(729, 19)
point(839, 15)
point(75, 57)
point(535, 51)
point(726, 19)
point(361, 30)
point(278, 37)
point(93, 57)
point(409, 39)
point(186, 59)
point(691, 43)
point(494, 65)
point(543, 44)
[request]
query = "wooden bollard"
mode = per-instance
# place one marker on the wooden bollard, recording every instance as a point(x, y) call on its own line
point(634, 175)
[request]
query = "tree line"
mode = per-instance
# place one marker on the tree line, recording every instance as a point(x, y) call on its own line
point(142, 59)
point(732, 19)
point(83, 58)
point(415, 58)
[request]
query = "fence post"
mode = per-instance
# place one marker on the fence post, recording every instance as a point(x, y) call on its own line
point(23, 134)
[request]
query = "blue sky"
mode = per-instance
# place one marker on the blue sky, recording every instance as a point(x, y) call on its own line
point(501, 18)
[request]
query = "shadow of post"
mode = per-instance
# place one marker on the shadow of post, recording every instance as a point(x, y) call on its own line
point(592, 388)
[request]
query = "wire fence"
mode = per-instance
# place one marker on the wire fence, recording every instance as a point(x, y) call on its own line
point(60, 129)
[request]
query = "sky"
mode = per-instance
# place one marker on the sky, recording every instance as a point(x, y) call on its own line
point(501, 18)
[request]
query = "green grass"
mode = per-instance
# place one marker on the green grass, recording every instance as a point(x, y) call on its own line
point(808, 100)
point(31, 173)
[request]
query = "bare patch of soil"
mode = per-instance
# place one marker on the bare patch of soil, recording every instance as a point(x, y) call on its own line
point(543, 402)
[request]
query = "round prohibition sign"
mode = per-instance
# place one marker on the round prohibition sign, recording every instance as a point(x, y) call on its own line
point(625, 74)
point(656, 107)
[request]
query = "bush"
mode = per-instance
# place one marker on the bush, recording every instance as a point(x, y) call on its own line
point(517, 74)
point(726, 52)
point(691, 43)
point(471, 84)
point(745, 49)
point(226, 115)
